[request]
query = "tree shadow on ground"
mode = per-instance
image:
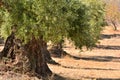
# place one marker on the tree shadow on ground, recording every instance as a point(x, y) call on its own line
point(106, 36)
point(108, 47)
point(93, 78)
point(89, 68)
point(107, 79)
point(58, 77)
point(100, 69)
point(97, 58)
point(100, 58)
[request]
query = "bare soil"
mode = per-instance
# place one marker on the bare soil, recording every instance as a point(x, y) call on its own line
point(101, 63)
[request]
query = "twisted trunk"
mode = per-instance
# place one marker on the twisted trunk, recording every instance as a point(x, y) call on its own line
point(36, 49)
point(28, 57)
point(9, 47)
point(46, 54)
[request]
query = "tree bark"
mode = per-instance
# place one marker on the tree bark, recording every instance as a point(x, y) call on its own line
point(36, 50)
point(8, 48)
point(28, 57)
point(114, 25)
point(47, 55)
point(57, 50)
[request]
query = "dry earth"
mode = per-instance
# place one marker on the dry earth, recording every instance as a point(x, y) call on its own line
point(102, 63)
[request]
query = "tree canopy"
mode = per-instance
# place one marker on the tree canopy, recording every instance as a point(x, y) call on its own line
point(87, 23)
point(78, 20)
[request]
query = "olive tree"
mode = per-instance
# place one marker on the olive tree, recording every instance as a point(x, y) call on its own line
point(86, 19)
point(112, 13)
point(29, 24)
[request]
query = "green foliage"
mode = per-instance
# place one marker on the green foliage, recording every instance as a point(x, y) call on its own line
point(86, 26)
point(78, 20)
point(5, 23)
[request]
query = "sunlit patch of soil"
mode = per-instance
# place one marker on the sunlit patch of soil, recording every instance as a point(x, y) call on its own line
point(102, 63)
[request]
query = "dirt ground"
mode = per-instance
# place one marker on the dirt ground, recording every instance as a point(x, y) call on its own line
point(101, 63)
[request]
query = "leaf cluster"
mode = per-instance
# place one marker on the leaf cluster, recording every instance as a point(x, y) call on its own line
point(55, 20)
point(87, 25)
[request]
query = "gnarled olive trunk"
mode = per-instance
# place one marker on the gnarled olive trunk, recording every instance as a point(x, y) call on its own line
point(9, 47)
point(35, 48)
point(46, 54)
point(28, 57)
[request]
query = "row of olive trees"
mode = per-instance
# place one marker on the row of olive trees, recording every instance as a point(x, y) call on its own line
point(113, 13)
point(36, 22)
